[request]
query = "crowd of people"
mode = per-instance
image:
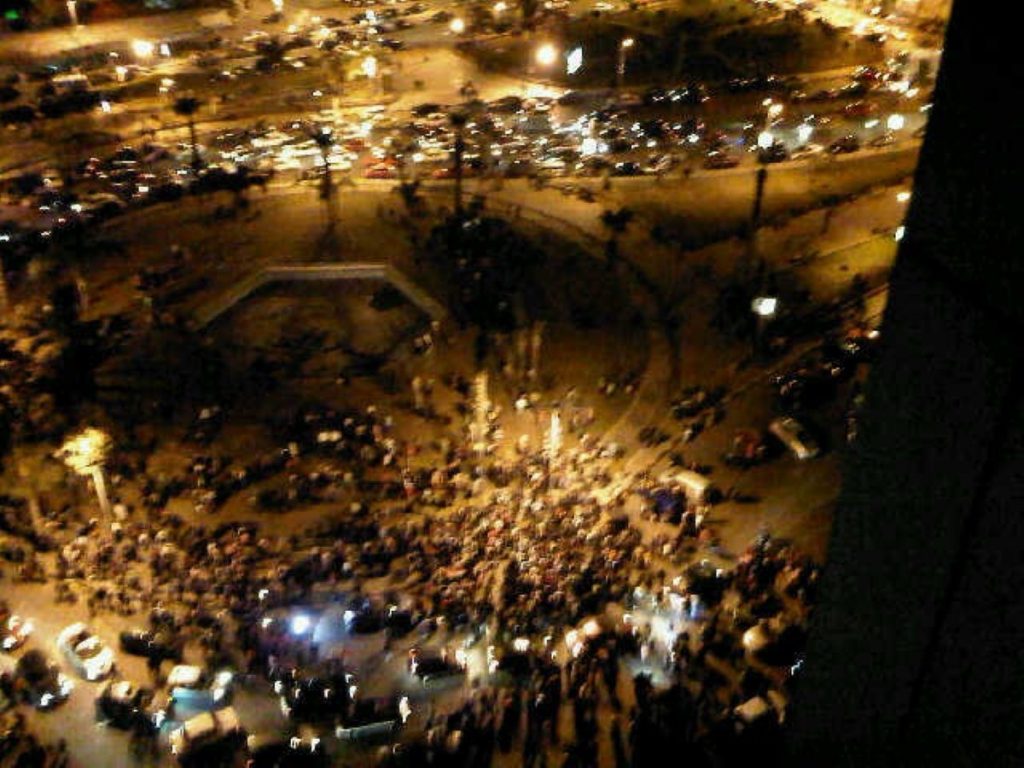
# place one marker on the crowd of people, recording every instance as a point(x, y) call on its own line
point(529, 542)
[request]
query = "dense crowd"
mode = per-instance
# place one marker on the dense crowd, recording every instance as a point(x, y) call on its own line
point(528, 543)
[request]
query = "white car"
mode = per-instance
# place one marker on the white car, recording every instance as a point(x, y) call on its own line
point(85, 652)
point(204, 729)
point(795, 437)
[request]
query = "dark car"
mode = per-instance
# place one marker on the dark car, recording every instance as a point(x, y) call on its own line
point(716, 159)
point(316, 698)
point(776, 153)
point(124, 705)
point(152, 645)
point(628, 168)
point(433, 669)
point(844, 145)
point(804, 388)
point(44, 685)
point(422, 110)
point(272, 750)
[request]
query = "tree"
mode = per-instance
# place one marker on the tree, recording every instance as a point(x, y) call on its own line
point(458, 122)
point(325, 142)
point(187, 106)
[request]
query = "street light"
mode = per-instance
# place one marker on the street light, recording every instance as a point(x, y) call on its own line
point(457, 26)
point(620, 69)
point(84, 453)
point(546, 55)
point(142, 49)
point(764, 308)
point(895, 122)
point(765, 140)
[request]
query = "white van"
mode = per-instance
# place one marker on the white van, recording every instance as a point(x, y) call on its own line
point(795, 437)
point(698, 487)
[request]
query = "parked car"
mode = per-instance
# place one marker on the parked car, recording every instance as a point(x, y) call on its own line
point(152, 645)
point(432, 669)
point(207, 738)
point(795, 437)
point(844, 145)
point(14, 630)
point(191, 689)
point(717, 159)
point(44, 685)
point(124, 705)
point(86, 652)
point(374, 718)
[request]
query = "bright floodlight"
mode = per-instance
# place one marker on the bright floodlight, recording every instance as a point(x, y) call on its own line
point(143, 48)
point(85, 451)
point(803, 132)
point(574, 61)
point(895, 122)
point(546, 55)
point(628, 42)
point(765, 140)
point(764, 306)
point(902, 197)
point(300, 624)
point(458, 26)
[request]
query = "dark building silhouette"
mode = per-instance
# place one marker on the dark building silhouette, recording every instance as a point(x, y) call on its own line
point(916, 655)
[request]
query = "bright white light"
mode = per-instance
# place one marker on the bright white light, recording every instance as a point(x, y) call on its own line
point(143, 48)
point(591, 628)
point(872, 123)
point(546, 55)
point(370, 66)
point(262, 594)
point(900, 231)
point(500, 7)
point(588, 147)
point(774, 110)
point(266, 622)
point(521, 645)
point(121, 73)
point(693, 138)
point(278, 5)
point(458, 26)
point(574, 61)
point(765, 140)
point(300, 624)
point(105, 106)
point(803, 132)
point(895, 122)
point(165, 49)
point(764, 305)
point(902, 197)
point(628, 42)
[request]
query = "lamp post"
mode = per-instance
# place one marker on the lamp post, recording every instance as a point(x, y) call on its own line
point(764, 308)
point(84, 453)
point(620, 69)
point(544, 56)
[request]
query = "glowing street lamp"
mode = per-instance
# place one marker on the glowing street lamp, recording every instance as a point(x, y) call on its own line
point(620, 70)
point(143, 49)
point(765, 140)
point(457, 26)
point(895, 122)
point(546, 55)
point(84, 453)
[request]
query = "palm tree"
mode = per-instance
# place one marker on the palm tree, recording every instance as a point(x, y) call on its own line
point(324, 141)
point(187, 106)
